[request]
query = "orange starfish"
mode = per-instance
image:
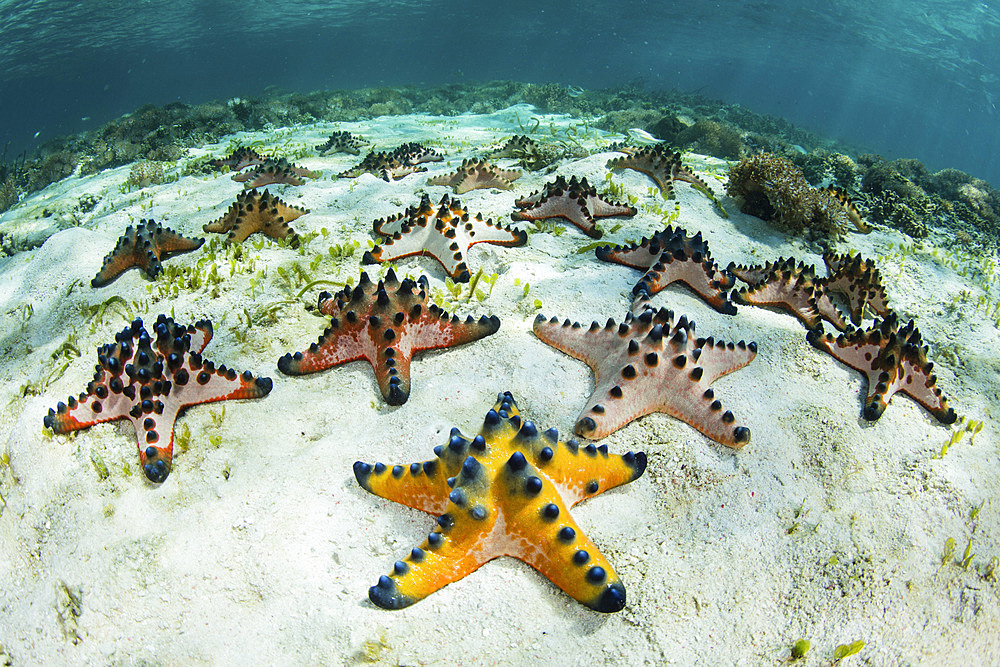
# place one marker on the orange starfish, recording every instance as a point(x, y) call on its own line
point(505, 492)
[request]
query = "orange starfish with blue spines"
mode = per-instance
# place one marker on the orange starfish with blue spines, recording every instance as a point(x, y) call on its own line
point(505, 492)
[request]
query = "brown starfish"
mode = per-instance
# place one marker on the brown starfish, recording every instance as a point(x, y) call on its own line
point(650, 364)
point(476, 174)
point(144, 246)
point(794, 288)
point(860, 283)
point(673, 256)
point(445, 234)
point(662, 165)
point(275, 171)
point(893, 360)
point(253, 212)
point(576, 201)
point(341, 142)
point(241, 158)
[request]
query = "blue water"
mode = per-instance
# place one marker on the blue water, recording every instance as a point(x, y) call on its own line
point(906, 78)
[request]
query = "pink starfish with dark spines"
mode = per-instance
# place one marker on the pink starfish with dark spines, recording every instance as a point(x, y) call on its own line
point(662, 165)
point(272, 171)
point(445, 233)
point(650, 363)
point(575, 200)
point(148, 380)
point(384, 323)
point(241, 158)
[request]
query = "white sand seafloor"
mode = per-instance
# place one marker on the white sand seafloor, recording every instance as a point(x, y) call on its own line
point(262, 546)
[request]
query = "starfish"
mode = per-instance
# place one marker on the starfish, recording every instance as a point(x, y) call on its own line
point(670, 256)
point(384, 165)
point(476, 174)
point(385, 324)
point(649, 364)
point(576, 201)
point(505, 492)
point(445, 235)
point(148, 380)
point(241, 158)
point(893, 360)
point(341, 142)
point(517, 147)
point(253, 212)
point(145, 246)
point(662, 165)
point(394, 165)
point(275, 172)
point(794, 288)
point(860, 283)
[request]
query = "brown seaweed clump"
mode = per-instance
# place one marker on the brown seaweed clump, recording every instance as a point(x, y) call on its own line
point(775, 190)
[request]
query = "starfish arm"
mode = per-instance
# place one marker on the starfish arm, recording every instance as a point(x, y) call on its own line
point(169, 242)
point(828, 311)
point(561, 207)
point(576, 340)
point(539, 530)
point(917, 382)
point(702, 277)
point(444, 557)
point(780, 294)
point(641, 256)
point(603, 208)
point(436, 329)
point(82, 412)
point(341, 342)
point(422, 486)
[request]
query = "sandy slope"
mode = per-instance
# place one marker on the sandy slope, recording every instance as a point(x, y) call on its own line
point(825, 527)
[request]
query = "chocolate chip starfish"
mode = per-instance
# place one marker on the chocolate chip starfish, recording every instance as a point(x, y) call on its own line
point(576, 201)
point(446, 234)
point(505, 492)
point(148, 380)
point(673, 256)
point(650, 364)
point(384, 323)
point(144, 246)
point(893, 360)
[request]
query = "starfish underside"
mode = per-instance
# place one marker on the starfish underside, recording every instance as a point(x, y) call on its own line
point(384, 323)
point(672, 256)
point(144, 246)
point(893, 361)
point(253, 212)
point(445, 234)
point(147, 380)
point(575, 200)
point(476, 174)
point(505, 492)
point(650, 364)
